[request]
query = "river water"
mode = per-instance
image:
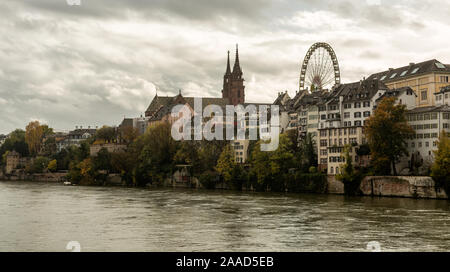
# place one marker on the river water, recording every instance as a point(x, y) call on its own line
point(45, 217)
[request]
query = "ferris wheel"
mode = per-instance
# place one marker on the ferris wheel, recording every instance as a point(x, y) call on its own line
point(320, 68)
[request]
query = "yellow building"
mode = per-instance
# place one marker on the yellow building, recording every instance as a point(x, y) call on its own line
point(425, 78)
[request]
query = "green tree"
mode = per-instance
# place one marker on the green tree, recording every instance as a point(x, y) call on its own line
point(106, 134)
point(349, 175)
point(387, 131)
point(440, 171)
point(226, 164)
point(103, 160)
point(157, 150)
point(39, 165)
point(308, 153)
point(15, 142)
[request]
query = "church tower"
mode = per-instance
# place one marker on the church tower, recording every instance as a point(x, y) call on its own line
point(233, 83)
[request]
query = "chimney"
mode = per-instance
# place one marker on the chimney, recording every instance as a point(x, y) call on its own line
point(391, 69)
point(81, 127)
point(411, 63)
point(76, 127)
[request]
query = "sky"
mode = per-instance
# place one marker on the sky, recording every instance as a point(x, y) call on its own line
point(95, 63)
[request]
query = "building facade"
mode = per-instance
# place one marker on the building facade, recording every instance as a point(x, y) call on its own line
point(425, 79)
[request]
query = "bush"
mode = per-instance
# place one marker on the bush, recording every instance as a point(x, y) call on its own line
point(209, 179)
point(307, 183)
point(38, 166)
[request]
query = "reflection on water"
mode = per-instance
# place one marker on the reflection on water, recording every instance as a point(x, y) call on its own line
point(45, 217)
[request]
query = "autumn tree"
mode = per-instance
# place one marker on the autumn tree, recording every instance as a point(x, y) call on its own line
point(387, 131)
point(440, 171)
point(52, 166)
point(129, 134)
point(33, 136)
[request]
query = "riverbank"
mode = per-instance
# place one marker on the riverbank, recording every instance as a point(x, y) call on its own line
point(380, 186)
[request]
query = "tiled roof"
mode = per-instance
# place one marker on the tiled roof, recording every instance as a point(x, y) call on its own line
point(356, 91)
point(411, 70)
point(396, 92)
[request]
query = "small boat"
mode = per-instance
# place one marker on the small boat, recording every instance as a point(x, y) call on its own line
point(67, 183)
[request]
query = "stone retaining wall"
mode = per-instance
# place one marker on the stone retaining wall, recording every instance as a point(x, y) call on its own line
point(405, 186)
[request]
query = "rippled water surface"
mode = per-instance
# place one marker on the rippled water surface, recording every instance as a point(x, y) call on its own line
point(45, 217)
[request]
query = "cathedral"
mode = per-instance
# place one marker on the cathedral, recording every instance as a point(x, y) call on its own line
point(233, 93)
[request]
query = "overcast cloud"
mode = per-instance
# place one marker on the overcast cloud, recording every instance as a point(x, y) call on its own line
point(94, 64)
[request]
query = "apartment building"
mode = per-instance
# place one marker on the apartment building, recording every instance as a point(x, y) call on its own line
point(343, 114)
point(443, 96)
point(425, 78)
point(428, 123)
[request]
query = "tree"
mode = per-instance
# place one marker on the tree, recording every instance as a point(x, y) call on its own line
point(33, 137)
point(49, 146)
point(15, 142)
point(106, 134)
point(52, 166)
point(387, 131)
point(308, 153)
point(129, 134)
point(39, 165)
point(103, 160)
point(349, 175)
point(440, 171)
point(156, 150)
point(226, 164)
point(269, 168)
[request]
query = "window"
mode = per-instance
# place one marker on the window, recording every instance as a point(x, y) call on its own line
point(347, 106)
point(357, 105)
point(415, 70)
point(404, 73)
point(440, 65)
point(357, 114)
point(331, 170)
point(357, 123)
point(366, 113)
point(323, 143)
point(346, 115)
point(444, 79)
point(383, 78)
point(393, 75)
point(367, 104)
point(423, 95)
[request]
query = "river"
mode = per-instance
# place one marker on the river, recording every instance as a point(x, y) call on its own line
point(46, 216)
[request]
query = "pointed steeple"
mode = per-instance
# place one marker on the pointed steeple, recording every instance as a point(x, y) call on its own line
point(228, 72)
point(237, 67)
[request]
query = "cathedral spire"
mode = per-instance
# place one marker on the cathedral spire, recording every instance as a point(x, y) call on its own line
point(237, 68)
point(228, 72)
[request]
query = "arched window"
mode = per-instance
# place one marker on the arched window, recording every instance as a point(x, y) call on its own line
point(331, 170)
point(337, 170)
